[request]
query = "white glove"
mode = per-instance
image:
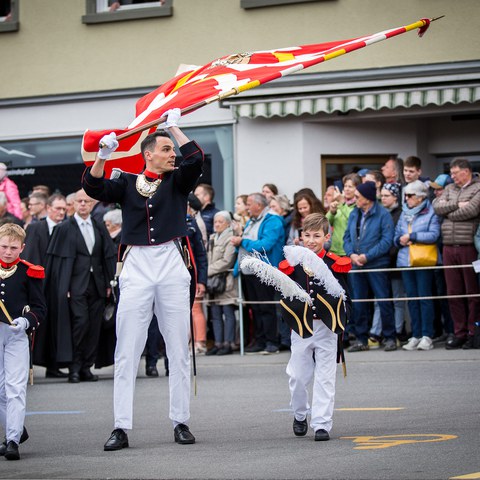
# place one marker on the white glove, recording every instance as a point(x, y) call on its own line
point(19, 324)
point(173, 116)
point(110, 144)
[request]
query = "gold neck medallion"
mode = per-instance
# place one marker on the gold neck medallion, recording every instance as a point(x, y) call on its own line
point(145, 187)
point(7, 272)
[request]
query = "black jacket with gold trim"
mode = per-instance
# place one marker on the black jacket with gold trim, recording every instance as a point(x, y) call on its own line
point(157, 219)
point(333, 311)
point(23, 288)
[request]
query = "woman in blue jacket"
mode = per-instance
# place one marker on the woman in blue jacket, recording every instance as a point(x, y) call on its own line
point(417, 224)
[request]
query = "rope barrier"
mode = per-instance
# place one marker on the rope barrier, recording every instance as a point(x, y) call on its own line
point(400, 269)
point(240, 301)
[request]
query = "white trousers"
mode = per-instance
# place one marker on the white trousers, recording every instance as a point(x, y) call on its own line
point(154, 279)
point(302, 367)
point(14, 365)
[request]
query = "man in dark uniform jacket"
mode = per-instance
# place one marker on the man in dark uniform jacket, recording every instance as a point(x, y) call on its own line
point(154, 278)
point(80, 266)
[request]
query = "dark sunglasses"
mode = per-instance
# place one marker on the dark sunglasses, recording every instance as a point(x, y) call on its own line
point(409, 195)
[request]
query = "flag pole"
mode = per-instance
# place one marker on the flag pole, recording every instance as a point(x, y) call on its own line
point(422, 25)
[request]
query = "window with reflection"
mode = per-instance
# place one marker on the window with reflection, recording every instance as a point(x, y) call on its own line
point(101, 11)
point(9, 15)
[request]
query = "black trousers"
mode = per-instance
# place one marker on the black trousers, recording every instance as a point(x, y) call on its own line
point(86, 313)
point(264, 315)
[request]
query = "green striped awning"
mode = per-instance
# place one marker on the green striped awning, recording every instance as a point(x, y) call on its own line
point(359, 101)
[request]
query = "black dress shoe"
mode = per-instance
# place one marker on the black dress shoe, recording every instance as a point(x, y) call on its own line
point(182, 435)
point(73, 378)
point(321, 435)
point(118, 440)
point(88, 376)
point(455, 343)
point(55, 373)
point(225, 351)
point(12, 453)
point(151, 371)
point(300, 427)
point(23, 438)
point(212, 351)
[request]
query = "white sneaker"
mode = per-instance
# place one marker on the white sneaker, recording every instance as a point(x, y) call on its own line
point(426, 343)
point(412, 344)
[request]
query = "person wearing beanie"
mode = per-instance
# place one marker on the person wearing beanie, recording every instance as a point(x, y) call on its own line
point(367, 241)
point(368, 190)
point(390, 198)
point(417, 224)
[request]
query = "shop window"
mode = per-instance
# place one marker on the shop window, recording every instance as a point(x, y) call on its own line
point(271, 3)
point(57, 162)
point(103, 11)
point(9, 16)
point(335, 167)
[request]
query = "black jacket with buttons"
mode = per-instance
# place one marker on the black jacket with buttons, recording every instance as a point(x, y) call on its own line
point(155, 220)
point(333, 311)
point(24, 288)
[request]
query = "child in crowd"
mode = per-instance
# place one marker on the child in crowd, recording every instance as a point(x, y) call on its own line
point(22, 310)
point(316, 338)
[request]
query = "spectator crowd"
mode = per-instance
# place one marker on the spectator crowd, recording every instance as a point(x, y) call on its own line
point(379, 219)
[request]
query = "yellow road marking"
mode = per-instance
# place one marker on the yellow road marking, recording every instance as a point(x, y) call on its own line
point(386, 441)
point(369, 409)
point(470, 476)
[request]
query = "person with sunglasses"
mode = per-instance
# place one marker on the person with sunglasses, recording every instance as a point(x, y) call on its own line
point(417, 224)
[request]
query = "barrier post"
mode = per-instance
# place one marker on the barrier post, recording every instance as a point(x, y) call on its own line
point(240, 312)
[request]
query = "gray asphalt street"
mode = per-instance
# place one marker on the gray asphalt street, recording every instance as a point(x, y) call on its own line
point(399, 415)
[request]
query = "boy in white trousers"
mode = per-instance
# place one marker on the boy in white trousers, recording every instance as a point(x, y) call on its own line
point(22, 309)
point(317, 329)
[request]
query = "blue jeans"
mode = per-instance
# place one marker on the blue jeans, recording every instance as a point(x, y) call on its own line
point(419, 283)
point(223, 330)
point(398, 306)
point(379, 284)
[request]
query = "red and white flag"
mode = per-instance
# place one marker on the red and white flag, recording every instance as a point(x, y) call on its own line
point(229, 75)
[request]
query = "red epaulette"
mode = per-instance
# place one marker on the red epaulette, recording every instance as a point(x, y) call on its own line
point(342, 264)
point(34, 271)
point(285, 267)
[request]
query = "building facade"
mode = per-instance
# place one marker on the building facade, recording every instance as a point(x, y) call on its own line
point(69, 66)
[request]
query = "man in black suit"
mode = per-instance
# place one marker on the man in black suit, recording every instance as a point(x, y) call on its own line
point(36, 244)
point(80, 264)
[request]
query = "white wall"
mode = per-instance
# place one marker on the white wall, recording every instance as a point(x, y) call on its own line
point(269, 151)
point(450, 137)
